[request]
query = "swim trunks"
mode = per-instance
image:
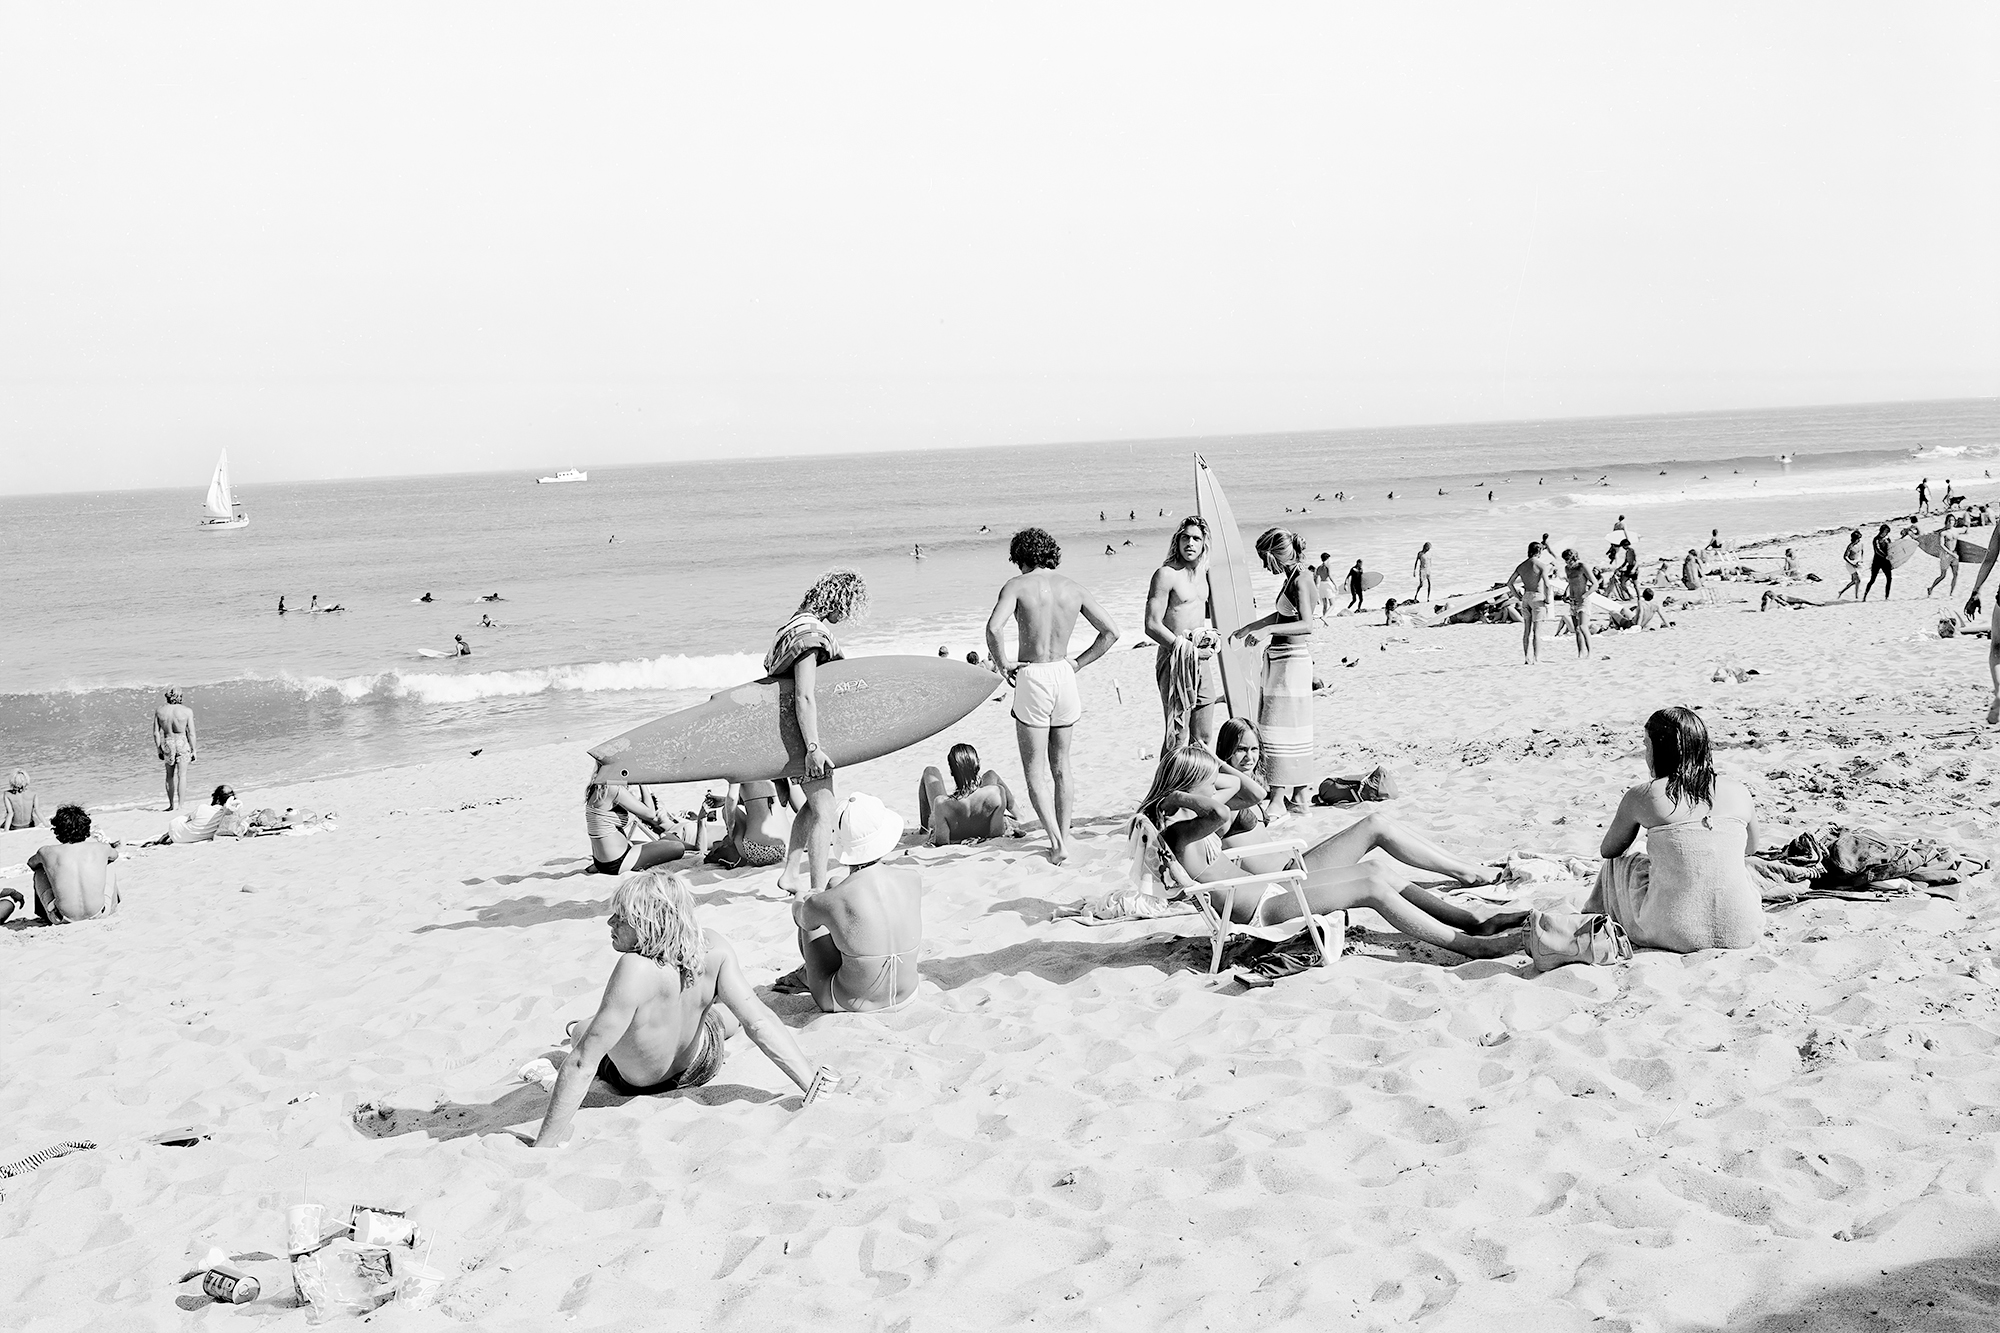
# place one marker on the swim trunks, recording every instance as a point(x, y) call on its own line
point(175, 749)
point(598, 867)
point(713, 1045)
point(1045, 694)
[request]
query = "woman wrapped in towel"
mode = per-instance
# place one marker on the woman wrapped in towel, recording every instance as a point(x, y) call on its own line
point(805, 643)
point(1690, 889)
point(1285, 717)
point(1190, 803)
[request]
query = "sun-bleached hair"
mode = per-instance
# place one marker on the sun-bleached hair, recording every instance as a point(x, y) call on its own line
point(838, 596)
point(1275, 540)
point(19, 782)
point(658, 906)
point(1180, 770)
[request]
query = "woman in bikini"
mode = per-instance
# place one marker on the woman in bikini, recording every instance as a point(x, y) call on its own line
point(607, 806)
point(758, 816)
point(970, 805)
point(1186, 784)
point(1690, 889)
point(1241, 750)
point(1284, 719)
point(861, 937)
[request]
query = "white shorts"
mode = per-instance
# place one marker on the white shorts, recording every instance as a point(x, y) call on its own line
point(1045, 695)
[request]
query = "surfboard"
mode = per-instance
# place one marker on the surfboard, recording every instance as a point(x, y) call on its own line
point(1230, 602)
point(1463, 602)
point(868, 707)
point(431, 652)
point(1901, 551)
point(1933, 542)
point(1370, 579)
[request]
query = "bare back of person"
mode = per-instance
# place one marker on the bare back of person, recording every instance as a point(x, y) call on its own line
point(75, 881)
point(1046, 605)
point(666, 1032)
point(979, 813)
point(861, 937)
point(1649, 806)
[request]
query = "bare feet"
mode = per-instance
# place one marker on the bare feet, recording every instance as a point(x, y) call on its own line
point(1492, 946)
point(1993, 713)
point(1486, 874)
point(1057, 853)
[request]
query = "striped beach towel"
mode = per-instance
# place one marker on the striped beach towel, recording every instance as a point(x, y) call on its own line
point(1285, 719)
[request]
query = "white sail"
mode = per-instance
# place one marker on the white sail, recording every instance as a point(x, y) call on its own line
point(221, 504)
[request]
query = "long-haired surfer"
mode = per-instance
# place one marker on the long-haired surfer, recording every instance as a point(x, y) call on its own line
point(1178, 623)
point(805, 643)
point(1044, 606)
point(1284, 719)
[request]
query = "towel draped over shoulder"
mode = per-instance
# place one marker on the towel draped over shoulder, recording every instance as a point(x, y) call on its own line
point(803, 635)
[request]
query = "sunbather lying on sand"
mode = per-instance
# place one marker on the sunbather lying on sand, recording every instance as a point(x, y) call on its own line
point(971, 805)
point(1787, 602)
point(658, 1026)
point(74, 877)
point(200, 825)
point(1186, 782)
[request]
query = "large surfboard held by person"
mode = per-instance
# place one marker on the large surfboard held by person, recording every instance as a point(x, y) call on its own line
point(1230, 599)
point(868, 707)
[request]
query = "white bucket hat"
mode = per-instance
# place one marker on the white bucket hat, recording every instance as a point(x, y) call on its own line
point(865, 831)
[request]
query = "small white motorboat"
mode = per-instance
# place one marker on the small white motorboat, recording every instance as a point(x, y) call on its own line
point(567, 474)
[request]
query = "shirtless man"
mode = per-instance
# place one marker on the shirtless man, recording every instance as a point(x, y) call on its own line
point(861, 937)
point(1177, 608)
point(1533, 580)
point(1993, 643)
point(966, 805)
point(1422, 570)
point(1580, 583)
point(173, 739)
point(74, 877)
point(1323, 585)
point(658, 1026)
point(1044, 606)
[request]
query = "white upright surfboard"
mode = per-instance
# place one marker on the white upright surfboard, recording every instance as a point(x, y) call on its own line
point(1230, 602)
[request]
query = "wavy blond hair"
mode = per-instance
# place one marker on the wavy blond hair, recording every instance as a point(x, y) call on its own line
point(838, 596)
point(660, 908)
point(1180, 770)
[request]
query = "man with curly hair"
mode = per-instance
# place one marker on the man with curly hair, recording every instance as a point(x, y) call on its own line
point(75, 879)
point(804, 644)
point(1044, 606)
point(658, 1026)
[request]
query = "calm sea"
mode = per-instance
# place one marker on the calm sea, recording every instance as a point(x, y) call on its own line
point(646, 588)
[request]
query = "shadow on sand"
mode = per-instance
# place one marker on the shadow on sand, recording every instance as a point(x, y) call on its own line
point(522, 1108)
point(1060, 961)
point(514, 912)
point(1960, 1292)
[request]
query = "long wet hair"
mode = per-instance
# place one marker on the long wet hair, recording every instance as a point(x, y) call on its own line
point(1199, 524)
point(1180, 770)
point(838, 596)
point(1231, 736)
point(963, 761)
point(1681, 755)
point(660, 909)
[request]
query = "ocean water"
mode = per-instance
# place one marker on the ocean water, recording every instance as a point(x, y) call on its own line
point(646, 588)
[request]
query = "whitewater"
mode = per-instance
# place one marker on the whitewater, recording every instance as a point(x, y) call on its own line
point(647, 588)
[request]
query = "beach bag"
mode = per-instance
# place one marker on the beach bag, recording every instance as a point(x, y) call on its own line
point(1557, 939)
point(1379, 785)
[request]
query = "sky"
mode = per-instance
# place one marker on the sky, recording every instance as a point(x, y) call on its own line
point(354, 239)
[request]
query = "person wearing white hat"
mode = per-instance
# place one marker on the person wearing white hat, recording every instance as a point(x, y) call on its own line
point(860, 937)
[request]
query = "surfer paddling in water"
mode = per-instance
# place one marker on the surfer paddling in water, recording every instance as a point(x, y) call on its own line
point(804, 644)
point(1177, 620)
point(1044, 606)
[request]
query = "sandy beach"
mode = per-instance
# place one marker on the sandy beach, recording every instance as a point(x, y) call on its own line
point(1075, 1126)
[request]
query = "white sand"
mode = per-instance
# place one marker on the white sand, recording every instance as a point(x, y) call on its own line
point(1067, 1128)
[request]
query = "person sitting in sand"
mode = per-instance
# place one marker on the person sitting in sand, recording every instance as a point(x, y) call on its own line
point(1792, 570)
point(18, 807)
point(607, 808)
point(860, 938)
point(1690, 889)
point(1652, 614)
point(659, 1026)
point(1240, 752)
point(75, 879)
point(803, 645)
point(202, 825)
point(758, 817)
point(970, 805)
point(1186, 784)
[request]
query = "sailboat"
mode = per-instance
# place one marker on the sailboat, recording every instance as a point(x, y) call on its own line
point(220, 507)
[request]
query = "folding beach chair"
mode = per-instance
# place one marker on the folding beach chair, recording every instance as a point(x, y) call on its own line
point(1156, 872)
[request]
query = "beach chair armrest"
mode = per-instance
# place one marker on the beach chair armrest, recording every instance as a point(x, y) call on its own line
point(1296, 846)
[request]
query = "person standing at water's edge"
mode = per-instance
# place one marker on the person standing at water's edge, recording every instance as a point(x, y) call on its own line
point(804, 644)
point(1044, 606)
point(1422, 570)
point(173, 739)
point(1177, 621)
point(1285, 717)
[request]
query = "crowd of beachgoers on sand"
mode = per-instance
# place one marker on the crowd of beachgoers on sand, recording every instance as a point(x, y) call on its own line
point(1224, 824)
